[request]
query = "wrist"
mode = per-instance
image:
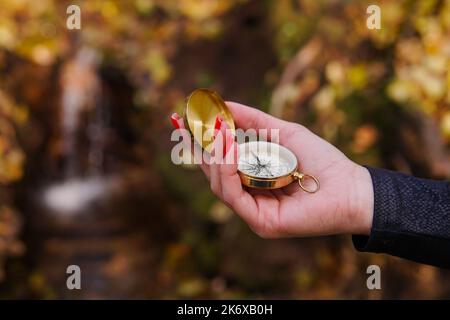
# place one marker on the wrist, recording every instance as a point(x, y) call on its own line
point(361, 201)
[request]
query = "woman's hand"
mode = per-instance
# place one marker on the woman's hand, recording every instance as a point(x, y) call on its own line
point(344, 203)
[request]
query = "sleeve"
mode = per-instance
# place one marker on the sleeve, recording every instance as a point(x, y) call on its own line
point(411, 218)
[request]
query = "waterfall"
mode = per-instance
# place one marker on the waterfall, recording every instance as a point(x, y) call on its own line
point(81, 93)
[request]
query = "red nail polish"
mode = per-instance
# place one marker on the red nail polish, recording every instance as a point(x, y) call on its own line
point(174, 119)
point(229, 141)
point(217, 126)
point(218, 123)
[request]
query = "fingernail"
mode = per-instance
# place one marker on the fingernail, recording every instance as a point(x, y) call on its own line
point(174, 118)
point(218, 123)
point(229, 140)
point(228, 137)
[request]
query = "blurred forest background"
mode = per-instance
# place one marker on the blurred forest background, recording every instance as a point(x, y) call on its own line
point(85, 170)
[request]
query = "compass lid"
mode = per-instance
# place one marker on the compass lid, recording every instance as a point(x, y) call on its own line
point(202, 108)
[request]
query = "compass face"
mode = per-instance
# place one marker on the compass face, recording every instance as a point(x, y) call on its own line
point(266, 160)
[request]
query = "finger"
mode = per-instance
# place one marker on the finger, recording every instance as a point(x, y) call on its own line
point(216, 159)
point(233, 193)
point(174, 118)
point(178, 123)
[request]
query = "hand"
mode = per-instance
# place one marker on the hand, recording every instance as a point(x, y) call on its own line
point(344, 203)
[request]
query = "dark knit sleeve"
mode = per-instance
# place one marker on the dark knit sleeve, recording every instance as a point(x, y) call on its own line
point(411, 218)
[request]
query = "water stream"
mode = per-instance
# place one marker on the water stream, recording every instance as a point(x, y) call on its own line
point(84, 180)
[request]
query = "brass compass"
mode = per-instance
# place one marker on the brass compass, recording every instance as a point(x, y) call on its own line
point(261, 164)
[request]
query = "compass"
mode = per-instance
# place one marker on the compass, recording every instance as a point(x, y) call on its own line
point(261, 164)
point(267, 165)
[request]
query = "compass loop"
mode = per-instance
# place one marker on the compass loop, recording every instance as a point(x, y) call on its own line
point(302, 178)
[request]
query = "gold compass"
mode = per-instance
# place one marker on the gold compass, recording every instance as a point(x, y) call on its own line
point(261, 164)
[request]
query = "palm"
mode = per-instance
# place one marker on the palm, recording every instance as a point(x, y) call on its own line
point(290, 210)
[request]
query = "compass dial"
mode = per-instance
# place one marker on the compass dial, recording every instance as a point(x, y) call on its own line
point(267, 160)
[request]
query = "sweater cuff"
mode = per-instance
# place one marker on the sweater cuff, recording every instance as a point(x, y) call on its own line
point(410, 219)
